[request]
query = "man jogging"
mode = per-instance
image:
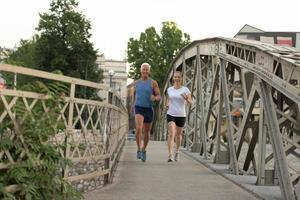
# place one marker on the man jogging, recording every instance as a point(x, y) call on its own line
point(146, 91)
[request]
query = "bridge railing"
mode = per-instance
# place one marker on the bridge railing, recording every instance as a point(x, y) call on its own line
point(246, 108)
point(93, 133)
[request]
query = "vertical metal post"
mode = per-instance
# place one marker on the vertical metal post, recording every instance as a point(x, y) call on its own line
point(15, 88)
point(107, 166)
point(15, 81)
point(233, 158)
point(197, 119)
point(201, 102)
point(69, 128)
point(276, 140)
point(219, 120)
point(163, 131)
point(164, 125)
point(183, 69)
point(108, 127)
point(186, 129)
point(262, 137)
point(158, 133)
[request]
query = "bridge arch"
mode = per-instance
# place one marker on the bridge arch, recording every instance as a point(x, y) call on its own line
point(246, 107)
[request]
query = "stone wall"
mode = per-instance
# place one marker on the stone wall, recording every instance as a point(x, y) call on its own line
point(87, 167)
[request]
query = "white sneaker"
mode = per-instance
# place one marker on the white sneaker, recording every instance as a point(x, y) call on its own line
point(176, 156)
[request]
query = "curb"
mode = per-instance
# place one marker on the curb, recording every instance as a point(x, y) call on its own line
point(221, 174)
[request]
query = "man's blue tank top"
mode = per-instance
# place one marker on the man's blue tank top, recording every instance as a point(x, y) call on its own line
point(143, 92)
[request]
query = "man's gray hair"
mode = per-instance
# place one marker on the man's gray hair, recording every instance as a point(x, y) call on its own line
point(146, 64)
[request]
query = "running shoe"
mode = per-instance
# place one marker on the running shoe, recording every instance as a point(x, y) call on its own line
point(139, 155)
point(143, 157)
point(176, 156)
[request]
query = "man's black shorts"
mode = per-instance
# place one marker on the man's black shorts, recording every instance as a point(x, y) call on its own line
point(146, 112)
point(179, 121)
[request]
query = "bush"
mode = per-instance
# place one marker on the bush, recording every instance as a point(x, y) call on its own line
point(38, 165)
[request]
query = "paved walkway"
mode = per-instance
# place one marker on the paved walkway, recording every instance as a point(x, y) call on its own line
point(158, 180)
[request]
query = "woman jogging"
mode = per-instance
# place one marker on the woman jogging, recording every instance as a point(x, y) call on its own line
point(177, 96)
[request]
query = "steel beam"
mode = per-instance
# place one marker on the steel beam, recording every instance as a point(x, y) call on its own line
point(248, 112)
point(219, 121)
point(262, 141)
point(276, 140)
point(233, 159)
point(201, 102)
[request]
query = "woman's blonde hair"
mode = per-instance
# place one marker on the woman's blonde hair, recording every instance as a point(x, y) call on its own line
point(177, 72)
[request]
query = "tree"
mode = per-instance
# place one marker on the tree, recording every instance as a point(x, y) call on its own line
point(24, 56)
point(156, 49)
point(64, 42)
point(61, 45)
point(25, 53)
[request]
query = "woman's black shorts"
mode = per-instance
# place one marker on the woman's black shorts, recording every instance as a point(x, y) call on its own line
point(179, 121)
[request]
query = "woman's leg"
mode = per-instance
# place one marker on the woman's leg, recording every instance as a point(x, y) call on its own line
point(179, 131)
point(171, 136)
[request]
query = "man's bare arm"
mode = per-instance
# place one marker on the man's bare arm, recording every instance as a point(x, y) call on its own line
point(156, 96)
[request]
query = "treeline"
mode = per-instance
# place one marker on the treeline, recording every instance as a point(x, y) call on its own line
point(61, 44)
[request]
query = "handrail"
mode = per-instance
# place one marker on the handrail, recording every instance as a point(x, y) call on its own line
point(93, 135)
point(55, 77)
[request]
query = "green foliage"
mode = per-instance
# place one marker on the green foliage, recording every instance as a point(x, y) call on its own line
point(25, 54)
point(38, 164)
point(62, 44)
point(156, 49)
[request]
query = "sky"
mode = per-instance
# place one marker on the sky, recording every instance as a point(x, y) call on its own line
point(115, 21)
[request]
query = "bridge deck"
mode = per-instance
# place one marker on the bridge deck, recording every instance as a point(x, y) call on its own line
point(158, 180)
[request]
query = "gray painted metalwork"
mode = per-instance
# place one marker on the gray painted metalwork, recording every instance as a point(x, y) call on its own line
point(225, 93)
point(276, 141)
point(246, 108)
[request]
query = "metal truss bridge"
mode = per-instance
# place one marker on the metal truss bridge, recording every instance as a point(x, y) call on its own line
point(246, 108)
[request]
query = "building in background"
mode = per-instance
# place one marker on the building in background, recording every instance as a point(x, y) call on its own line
point(4, 52)
point(118, 77)
point(291, 39)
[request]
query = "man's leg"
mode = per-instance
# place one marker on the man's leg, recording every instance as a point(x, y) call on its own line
point(171, 135)
point(139, 120)
point(147, 129)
